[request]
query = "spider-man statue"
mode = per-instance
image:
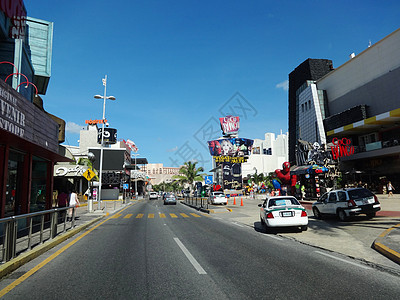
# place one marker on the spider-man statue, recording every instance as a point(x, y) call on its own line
point(286, 179)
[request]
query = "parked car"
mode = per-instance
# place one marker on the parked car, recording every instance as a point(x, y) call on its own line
point(345, 203)
point(153, 195)
point(169, 198)
point(218, 198)
point(283, 211)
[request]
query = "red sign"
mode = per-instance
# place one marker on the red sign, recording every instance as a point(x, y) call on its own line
point(92, 122)
point(342, 147)
point(16, 12)
point(229, 125)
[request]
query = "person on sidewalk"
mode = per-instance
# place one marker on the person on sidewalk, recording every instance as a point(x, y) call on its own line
point(390, 188)
point(73, 203)
point(62, 201)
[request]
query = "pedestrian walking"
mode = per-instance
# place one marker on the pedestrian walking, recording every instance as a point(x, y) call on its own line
point(73, 203)
point(390, 188)
point(62, 201)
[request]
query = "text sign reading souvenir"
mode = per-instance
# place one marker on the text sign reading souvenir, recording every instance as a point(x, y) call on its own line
point(229, 125)
point(22, 118)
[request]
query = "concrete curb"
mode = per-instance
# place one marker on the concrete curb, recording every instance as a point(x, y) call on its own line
point(379, 246)
point(26, 257)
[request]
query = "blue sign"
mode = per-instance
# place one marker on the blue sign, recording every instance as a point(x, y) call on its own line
point(126, 186)
point(208, 179)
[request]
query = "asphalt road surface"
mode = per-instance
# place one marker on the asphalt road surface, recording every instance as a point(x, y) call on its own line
point(152, 251)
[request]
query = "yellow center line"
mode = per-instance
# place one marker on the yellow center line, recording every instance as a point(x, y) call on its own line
point(139, 216)
point(173, 215)
point(195, 215)
point(50, 258)
point(151, 216)
point(128, 216)
point(184, 215)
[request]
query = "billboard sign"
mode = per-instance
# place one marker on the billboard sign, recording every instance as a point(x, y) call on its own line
point(229, 125)
point(110, 135)
point(235, 147)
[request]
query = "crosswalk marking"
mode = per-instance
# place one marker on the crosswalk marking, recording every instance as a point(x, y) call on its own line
point(160, 215)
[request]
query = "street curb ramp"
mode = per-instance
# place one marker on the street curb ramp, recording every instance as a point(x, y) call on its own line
point(26, 257)
point(379, 245)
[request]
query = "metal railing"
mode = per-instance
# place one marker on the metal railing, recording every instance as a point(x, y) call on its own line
point(199, 202)
point(22, 232)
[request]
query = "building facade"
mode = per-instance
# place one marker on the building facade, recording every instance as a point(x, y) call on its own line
point(29, 136)
point(360, 108)
point(157, 173)
point(267, 155)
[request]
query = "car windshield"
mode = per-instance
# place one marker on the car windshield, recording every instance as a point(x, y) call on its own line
point(283, 202)
point(218, 194)
point(359, 194)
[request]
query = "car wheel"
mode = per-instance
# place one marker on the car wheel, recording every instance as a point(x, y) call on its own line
point(304, 228)
point(371, 215)
point(317, 213)
point(342, 215)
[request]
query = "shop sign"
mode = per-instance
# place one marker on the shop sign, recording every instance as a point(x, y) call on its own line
point(94, 122)
point(74, 171)
point(229, 125)
point(110, 135)
point(230, 147)
point(16, 12)
point(23, 119)
point(342, 147)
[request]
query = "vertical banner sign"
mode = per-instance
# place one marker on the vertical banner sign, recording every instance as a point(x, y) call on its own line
point(229, 125)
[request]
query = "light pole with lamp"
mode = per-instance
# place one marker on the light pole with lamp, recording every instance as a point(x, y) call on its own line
point(136, 175)
point(104, 97)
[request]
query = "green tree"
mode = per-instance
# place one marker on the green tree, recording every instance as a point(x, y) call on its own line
point(190, 174)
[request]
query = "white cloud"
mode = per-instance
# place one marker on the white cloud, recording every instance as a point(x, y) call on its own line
point(173, 149)
point(283, 85)
point(72, 127)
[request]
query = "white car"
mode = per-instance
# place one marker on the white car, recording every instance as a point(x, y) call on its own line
point(153, 195)
point(218, 198)
point(283, 211)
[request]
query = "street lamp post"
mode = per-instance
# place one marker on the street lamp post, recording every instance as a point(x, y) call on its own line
point(92, 158)
point(136, 175)
point(104, 97)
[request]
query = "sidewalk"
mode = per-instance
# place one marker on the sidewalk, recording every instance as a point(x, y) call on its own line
point(83, 220)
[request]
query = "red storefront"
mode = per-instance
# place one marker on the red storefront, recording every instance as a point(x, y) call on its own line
point(28, 151)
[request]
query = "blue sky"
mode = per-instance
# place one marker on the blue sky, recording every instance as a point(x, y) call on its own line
point(175, 67)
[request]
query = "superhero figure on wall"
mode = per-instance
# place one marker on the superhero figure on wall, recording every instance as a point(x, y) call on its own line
point(288, 182)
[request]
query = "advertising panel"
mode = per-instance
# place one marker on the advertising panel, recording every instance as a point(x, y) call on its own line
point(110, 136)
point(236, 147)
point(231, 175)
point(229, 125)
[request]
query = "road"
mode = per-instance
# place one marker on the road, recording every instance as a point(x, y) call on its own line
point(151, 251)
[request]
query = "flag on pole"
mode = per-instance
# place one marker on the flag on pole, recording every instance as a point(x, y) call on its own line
point(104, 81)
point(131, 145)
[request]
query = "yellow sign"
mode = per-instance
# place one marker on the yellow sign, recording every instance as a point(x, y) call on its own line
point(231, 159)
point(89, 174)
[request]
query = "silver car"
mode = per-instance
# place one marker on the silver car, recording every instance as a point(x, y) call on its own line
point(346, 203)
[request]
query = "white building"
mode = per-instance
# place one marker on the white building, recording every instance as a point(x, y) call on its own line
point(158, 173)
point(267, 155)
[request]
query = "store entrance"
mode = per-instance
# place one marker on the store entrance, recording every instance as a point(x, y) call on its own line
point(14, 184)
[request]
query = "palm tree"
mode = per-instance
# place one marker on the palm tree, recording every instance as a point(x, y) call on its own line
point(190, 174)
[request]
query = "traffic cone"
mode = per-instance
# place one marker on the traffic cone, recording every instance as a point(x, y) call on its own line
point(241, 201)
point(227, 201)
point(234, 200)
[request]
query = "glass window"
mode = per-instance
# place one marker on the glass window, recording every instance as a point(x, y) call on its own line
point(14, 184)
point(38, 185)
point(332, 197)
point(342, 196)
